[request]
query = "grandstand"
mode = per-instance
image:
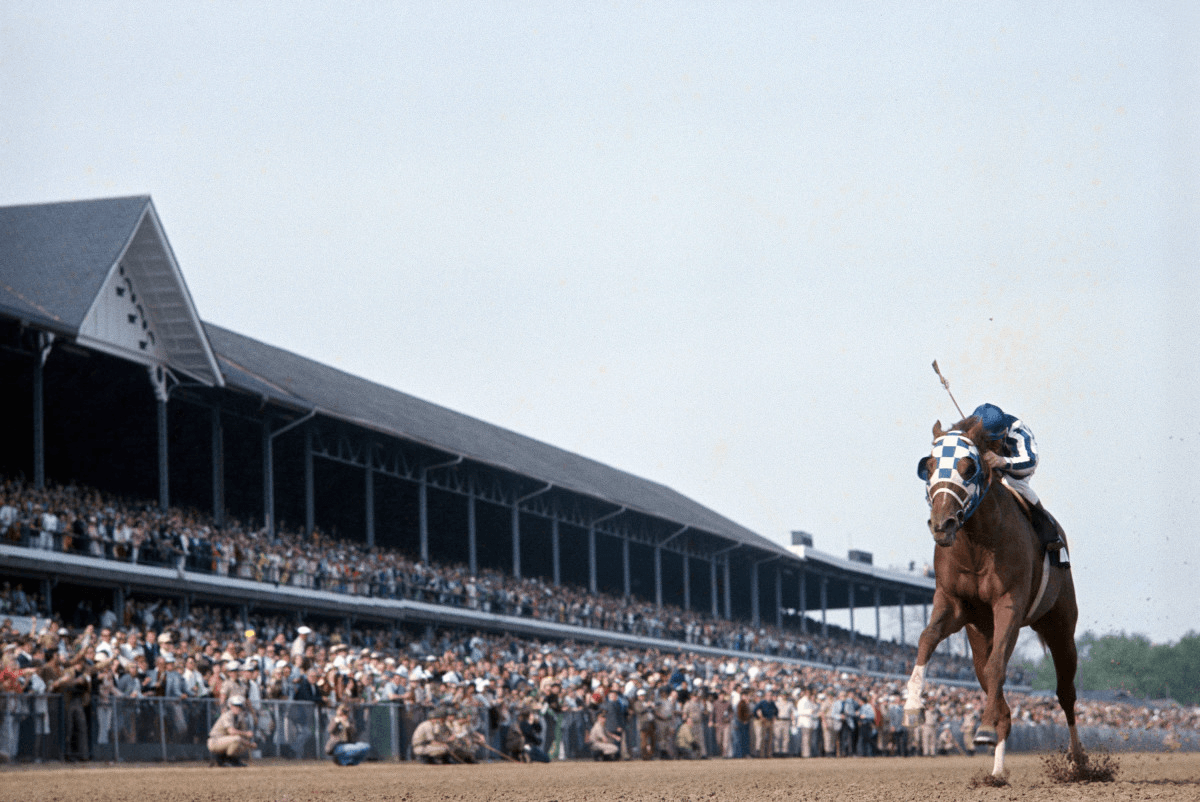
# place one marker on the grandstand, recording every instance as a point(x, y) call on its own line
point(114, 382)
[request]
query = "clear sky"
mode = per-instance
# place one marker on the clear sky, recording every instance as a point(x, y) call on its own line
point(716, 245)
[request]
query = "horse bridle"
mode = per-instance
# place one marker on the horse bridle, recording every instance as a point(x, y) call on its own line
point(945, 478)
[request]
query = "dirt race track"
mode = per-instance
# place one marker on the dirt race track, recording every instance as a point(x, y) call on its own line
point(1140, 776)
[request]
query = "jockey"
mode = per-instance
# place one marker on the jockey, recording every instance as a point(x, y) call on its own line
point(1018, 460)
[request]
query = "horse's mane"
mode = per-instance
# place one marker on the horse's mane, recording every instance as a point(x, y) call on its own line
point(972, 427)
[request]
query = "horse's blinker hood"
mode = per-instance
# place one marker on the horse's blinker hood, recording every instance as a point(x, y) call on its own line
point(947, 451)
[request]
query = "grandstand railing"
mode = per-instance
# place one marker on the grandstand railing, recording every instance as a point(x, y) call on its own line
point(173, 580)
point(35, 728)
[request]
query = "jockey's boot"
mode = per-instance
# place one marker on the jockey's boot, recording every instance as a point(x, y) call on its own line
point(1047, 529)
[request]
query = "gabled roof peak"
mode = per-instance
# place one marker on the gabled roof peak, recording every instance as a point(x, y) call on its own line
point(103, 272)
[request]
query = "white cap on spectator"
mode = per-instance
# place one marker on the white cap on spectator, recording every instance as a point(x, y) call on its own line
point(304, 630)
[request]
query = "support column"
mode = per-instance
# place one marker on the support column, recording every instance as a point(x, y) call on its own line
point(370, 502)
point(728, 597)
point(516, 541)
point(39, 425)
point(269, 466)
point(687, 583)
point(516, 527)
point(310, 496)
point(159, 379)
point(850, 601)
point(592, 543)
point(218, 466)
point(712, 581)
point(878, 629)
point(803, 606)
point(592, 559)
point(658, 576)
point(268, 472)
point(44, 341)
point(824, 606)
point(903, 640)
point(555, 551)
point(423, 516)
point(625, 568)
point(472, 547)
point(754, 616)
point(778, 597)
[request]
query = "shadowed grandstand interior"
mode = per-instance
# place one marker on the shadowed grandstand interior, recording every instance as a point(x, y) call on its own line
point(200, 418)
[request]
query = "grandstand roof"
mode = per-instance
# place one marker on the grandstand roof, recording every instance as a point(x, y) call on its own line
point(72, 268)
point(288, 378)
point(63, 266)
point(102, 272)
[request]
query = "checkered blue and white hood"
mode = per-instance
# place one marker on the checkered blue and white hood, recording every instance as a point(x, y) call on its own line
point(947, 451)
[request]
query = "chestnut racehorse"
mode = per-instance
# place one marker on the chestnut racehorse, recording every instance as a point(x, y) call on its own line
point(993, 577)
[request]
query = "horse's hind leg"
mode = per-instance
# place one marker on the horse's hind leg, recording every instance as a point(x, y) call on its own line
point(1057, 629)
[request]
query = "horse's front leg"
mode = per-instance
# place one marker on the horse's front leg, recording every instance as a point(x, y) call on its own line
point(945, 619)
point(996, 719)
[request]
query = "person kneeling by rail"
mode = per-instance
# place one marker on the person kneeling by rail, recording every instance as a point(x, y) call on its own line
point(230, 738)
point(605, 745)
point(342, 746)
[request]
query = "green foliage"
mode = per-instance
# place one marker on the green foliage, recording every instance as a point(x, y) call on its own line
point(1131, 663)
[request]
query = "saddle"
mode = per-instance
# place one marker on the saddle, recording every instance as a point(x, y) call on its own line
point(1046, 527)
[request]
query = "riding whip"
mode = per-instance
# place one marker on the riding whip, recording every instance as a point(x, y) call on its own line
point(491, 748)
point(946, 384)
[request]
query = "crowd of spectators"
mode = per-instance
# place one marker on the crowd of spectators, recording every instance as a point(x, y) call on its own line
point(88, 522)
point(655, 705)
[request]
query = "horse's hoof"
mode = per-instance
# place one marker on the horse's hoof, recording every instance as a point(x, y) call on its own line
point(986, 736)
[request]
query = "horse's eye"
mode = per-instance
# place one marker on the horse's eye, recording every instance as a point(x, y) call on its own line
point(966, 467)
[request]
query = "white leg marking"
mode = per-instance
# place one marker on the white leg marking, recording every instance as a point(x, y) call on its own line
point(998, 764)
point(912, 703)
point(916, 684)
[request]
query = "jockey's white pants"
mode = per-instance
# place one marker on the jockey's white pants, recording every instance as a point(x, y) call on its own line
point(1021, 486)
